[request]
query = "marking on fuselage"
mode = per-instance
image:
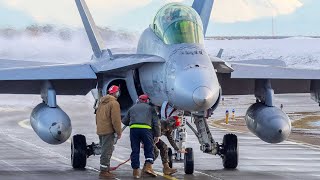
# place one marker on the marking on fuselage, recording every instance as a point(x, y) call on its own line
point(25, 124)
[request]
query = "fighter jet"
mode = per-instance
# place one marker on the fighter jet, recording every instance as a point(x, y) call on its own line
point(172, 66)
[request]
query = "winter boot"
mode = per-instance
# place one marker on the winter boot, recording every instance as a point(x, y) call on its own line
point(147, 169)
point(136, 173)
point(106, 174)
point(167, 170)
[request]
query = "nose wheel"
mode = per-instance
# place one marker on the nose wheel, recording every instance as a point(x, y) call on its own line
point(189, 161)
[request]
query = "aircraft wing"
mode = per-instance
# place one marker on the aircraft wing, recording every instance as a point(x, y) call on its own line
point(26, 77)
point(220, 65)
point(241, 80)
point(124, 62)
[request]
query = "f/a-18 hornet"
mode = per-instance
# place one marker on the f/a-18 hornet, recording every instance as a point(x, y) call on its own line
point(172, 66)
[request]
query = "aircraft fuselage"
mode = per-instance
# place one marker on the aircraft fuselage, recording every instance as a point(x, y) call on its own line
point(187, 79)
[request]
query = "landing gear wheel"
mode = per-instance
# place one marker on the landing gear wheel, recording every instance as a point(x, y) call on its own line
point(189, 161)
point(230, 151)
point(170, 157)
point(78, 151)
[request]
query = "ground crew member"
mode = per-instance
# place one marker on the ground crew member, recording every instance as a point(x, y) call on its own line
point(108, 119)
point(144, 127)
point(167, 127)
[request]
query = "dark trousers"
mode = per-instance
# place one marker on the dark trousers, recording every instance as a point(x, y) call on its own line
point(136, 137)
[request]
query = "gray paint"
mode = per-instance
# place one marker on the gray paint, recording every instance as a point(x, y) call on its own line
point(250, 71)
point(131, 86)
point(182, 74)
point(124, 62)
point(221, 66)
point(270, 124)
point(62, 87)
point(232, 86)
point(91, 29)
point(186, 72)
point(268, 62)
point(204, 8)
point(4, 63)
point(264, 92)
point(48, 72)
point(52, 125)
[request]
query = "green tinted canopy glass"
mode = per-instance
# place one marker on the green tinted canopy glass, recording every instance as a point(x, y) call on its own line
point(176, 23)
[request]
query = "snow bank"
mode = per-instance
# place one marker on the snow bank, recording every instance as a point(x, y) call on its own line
point(295, 52)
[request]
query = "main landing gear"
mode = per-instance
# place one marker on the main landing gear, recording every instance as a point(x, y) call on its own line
point(80, 151)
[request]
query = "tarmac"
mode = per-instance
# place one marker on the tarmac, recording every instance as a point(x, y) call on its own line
point(23, 155)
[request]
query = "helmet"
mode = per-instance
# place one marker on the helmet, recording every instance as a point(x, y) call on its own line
point(144, 98)
point(113, 89)
point(174, 121)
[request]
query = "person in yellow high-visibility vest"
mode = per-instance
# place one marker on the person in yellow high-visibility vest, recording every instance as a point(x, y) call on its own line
point(144, 127)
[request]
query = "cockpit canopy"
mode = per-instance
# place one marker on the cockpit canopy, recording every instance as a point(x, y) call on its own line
point(176, 23)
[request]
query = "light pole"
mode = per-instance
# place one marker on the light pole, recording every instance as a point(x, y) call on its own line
point(272, 19)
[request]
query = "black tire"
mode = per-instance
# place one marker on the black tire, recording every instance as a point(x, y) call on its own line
point(189, 161)
point(230, 152)
point(170, 157)
point(78, 151)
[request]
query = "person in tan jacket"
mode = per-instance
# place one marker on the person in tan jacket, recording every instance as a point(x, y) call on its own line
point(108, 119)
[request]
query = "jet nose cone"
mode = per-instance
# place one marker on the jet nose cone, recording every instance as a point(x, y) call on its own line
point(204, 97)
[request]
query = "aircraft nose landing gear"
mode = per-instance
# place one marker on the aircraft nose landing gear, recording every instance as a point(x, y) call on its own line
point(189, 161)
point(228, 150)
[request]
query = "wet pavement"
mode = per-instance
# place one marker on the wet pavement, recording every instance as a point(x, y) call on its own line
point(24, 156)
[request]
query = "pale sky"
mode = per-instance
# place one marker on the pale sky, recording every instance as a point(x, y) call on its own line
point(229, 17)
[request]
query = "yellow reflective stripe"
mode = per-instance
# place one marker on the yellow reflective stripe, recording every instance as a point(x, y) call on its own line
point(140, 126)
